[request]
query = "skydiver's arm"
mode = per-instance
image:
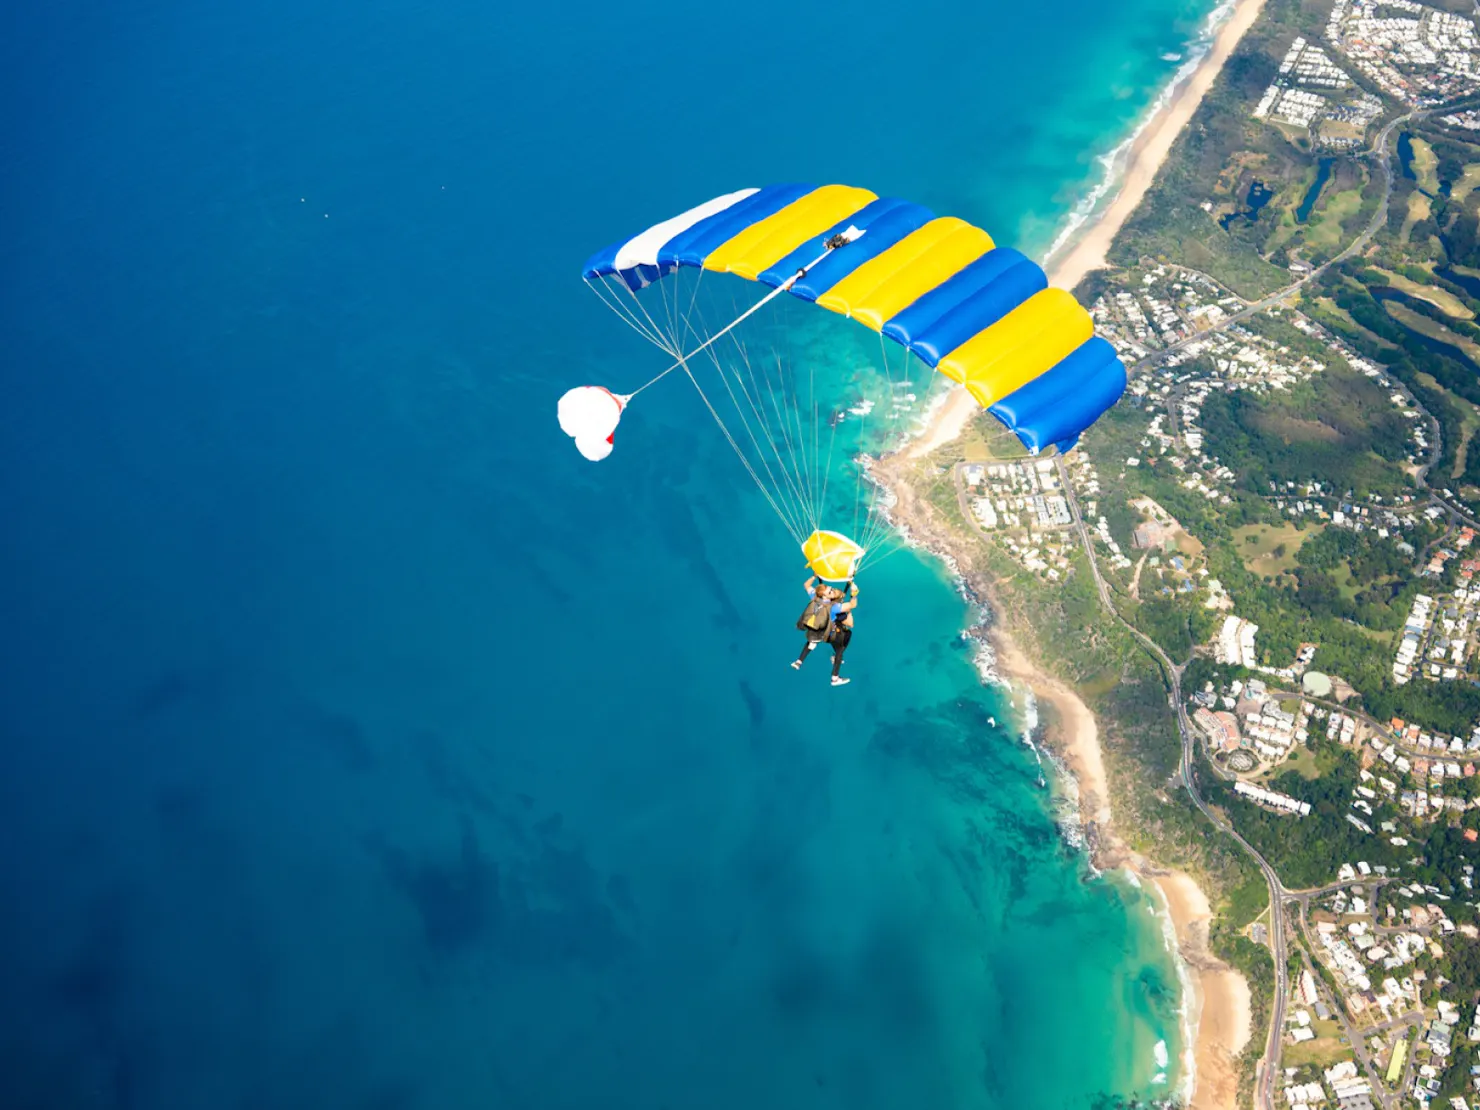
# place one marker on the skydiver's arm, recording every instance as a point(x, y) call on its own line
point(811, 584)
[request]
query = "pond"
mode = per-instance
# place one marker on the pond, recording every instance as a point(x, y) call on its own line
point(1470, 285)
point(1438, 346)
point(1259, 195)
point(1405, 155)
point(1323, 175)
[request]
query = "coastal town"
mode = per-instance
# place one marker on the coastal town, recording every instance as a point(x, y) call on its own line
point(1279, 518)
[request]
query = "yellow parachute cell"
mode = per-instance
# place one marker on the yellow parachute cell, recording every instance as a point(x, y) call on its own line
point(832, 555)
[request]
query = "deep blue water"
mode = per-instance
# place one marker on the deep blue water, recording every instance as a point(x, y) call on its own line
point(365, 747)
point(1470, 285)
point(1438, 346)
point(1323, 174)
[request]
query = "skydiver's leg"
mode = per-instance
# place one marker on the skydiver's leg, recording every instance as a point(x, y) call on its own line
point(802, 658)
point(840, 645)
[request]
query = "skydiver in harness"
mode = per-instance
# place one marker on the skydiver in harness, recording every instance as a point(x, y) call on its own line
point(827, 618)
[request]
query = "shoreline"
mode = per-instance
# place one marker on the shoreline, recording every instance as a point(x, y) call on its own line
point(1217, 1013)
point(1221, 1007)
point(1086, 245)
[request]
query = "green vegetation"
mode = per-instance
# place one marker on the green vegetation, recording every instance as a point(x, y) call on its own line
point(1417, 321)
point(1407, 303)
point(1328, 1048)
point(1440, 382)
point(1442, 299)
point(1334, 223)
point(1425, 163)
point(1219, 156)
point(1325, 837)
point(1338, 428)
point(1270, 549)
point(1467, 182)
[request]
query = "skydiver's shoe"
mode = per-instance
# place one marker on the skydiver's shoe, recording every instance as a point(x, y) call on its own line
point(838, 681)
point(796, 664)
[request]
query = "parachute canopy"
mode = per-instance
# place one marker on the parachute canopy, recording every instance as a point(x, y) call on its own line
point(589, 414)
point(832, 556)
point(980, 314)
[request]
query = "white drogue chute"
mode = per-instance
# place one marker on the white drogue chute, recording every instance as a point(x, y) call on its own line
point(590, 414)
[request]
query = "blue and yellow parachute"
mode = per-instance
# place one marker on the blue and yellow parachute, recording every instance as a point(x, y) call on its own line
point(980, 314)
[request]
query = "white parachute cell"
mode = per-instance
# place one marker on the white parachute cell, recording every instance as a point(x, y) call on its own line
point(594, 449)
point(589, 414)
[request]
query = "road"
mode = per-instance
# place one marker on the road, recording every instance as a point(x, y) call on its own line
point(1356, 1038)
point(1268, 1069)
point(1379, 217)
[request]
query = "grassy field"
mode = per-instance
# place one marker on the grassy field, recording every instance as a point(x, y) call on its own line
point(987, 441)
point(1442, 299)
point(1256, 545)
point(1420, 323)
point(1327, 1049)
point(1467, 183)
point(1419, 208)
point(1425, 163)
point(1303, 764)
point(1327, 233)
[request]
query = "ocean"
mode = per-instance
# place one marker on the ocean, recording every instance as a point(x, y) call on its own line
point(363, 745)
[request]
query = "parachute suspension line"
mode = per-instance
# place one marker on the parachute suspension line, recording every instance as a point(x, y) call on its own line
point(792, 514)
point(784, 287)
point(877, 527)
point(674, 346)
point(750, 430)
point(785, 423)
point(652, 335)
point(797, 510)
point(858, 477)
point(786, 521)
point(793, 417)
point(827, 470)
point(752, 395)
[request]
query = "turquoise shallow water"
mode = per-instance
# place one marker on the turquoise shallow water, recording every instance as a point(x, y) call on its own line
point(363, 745)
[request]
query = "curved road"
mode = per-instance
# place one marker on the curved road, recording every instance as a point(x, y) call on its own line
point(1378, 219)
point(1269, 1065)
point(1268, 1069)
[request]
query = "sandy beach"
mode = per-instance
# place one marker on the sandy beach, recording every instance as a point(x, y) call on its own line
point(1074, 736)
point(1087, 251)
point(1223, 1009)
point(1220, 1010)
